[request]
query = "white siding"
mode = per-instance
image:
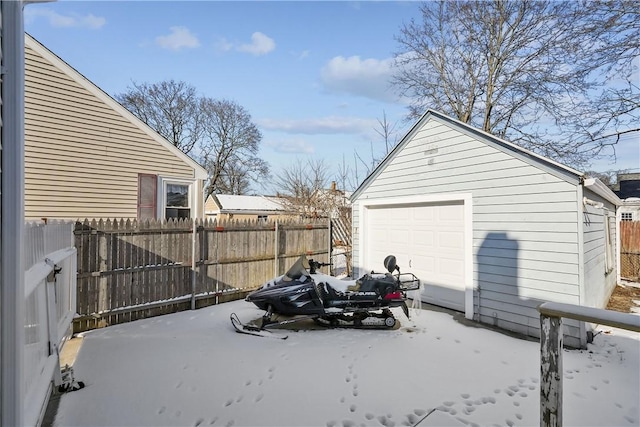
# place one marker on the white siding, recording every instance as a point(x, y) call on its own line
point(525, 220)
point(82, 157)
point(597, 291)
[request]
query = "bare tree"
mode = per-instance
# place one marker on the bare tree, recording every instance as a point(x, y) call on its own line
point(240, 173)
point(387, 132)
point(219, 134)
point(611, 30)
point(168, 107)
point(302, 186)
point(229, 147)
point(527, 71)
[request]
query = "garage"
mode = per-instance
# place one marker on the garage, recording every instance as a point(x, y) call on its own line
point(428, 240)
point(489, 228)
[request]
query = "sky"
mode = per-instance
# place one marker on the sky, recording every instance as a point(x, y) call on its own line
point(192, 369)
point(313, 75)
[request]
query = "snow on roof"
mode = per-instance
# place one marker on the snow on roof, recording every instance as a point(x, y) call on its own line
point(235, 203)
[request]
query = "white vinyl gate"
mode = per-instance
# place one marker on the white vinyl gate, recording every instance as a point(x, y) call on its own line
point(50, 300)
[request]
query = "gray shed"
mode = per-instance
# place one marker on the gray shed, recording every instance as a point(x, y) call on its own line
point(491, 229)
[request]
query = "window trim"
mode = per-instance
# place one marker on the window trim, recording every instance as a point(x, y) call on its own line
point(162, 195)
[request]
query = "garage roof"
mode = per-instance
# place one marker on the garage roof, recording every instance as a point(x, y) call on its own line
point(549, 165)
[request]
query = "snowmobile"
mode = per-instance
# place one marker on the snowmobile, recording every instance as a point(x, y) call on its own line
point(305, 293)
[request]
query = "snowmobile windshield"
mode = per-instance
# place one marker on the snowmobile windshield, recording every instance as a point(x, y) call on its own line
point(298, 271)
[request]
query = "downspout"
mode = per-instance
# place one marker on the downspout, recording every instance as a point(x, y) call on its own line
point(12, 292)
point(581, 285)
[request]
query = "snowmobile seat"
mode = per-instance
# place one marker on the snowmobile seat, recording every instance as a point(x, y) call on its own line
point(378, 283)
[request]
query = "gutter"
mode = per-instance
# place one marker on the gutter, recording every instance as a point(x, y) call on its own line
point(595, 185)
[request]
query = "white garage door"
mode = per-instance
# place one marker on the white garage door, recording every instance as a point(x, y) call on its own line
point(427, 240)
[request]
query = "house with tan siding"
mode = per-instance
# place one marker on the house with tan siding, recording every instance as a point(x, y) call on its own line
point(490, 229)
point(86, 156)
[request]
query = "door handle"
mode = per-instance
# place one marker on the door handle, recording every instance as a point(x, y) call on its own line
point(409, 263)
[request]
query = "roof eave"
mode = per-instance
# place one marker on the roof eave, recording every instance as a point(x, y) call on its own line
point(598, 187)
point(552, 165)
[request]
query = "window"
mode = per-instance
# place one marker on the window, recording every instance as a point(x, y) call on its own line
point(262, 218)
point(147, 192)
point(177, 200)
point(626, 216)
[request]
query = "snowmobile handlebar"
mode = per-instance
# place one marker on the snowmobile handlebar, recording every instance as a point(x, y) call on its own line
point(314, 265)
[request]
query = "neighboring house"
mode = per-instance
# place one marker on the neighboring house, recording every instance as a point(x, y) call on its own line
point(86, 156)
point(630, 209)
point(492, 230)
point(628, 188)
point(336, 201)
point(627, 185)
point(228, 206)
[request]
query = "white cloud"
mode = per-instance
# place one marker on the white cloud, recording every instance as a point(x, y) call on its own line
point(291, 146)
point(368, 78)
point(224, 45)
point(323, 125)
point(179, 38)
point(57, 20)
point(260, 44)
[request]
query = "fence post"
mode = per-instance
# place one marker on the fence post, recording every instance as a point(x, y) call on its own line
point(276, 249)
point(52, 322)
point(99, 239)
point(550, 371)
point(330, 244)
point(193, 264)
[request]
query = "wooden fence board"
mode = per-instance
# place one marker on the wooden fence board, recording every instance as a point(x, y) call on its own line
point(630, 249)
point(129, 270)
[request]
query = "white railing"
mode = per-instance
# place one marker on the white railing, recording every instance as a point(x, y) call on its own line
point(49, 261)
point(551, 314)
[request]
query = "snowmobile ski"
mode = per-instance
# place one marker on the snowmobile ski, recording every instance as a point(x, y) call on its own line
point(253, 330)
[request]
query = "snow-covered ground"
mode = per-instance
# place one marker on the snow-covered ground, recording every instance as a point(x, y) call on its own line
point(192, 369)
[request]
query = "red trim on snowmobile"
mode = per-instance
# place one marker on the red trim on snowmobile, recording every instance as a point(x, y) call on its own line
point(393, 295)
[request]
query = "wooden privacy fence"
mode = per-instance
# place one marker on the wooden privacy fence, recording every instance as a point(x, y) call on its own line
point(129, 270)
point(630, 249)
